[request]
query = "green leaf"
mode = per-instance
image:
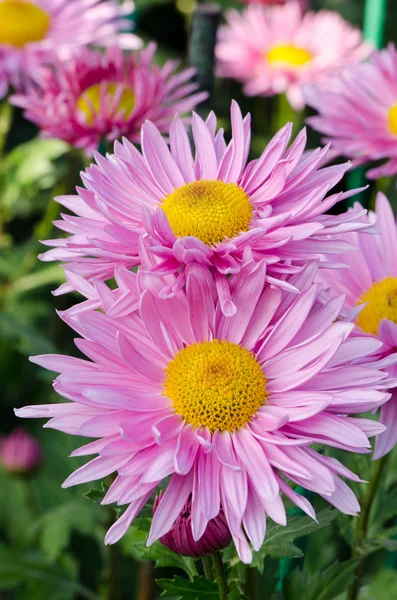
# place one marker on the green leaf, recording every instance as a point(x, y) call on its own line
point(31, 571)
point(321, 585)
point(183, 589)
point(134, 544)
point(279, 539)
point(97, 495)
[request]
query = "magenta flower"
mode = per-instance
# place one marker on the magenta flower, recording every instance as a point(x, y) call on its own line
point(302, 3)
point(280, 49)
point(20, 452)
point(96, 96)
point(226, 406)
point(180, 539)
point(358, 112)
point(210, 209)
point(33, 32)
point(371, 283)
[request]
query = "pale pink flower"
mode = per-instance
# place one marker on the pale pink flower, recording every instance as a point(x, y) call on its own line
point(358, 112)
point(209, 207)
point(371, 281)
point(96, 96)
point(280, 49)
point(304, 4)
point(20, 452)
point(278, 376)
point(34, 32)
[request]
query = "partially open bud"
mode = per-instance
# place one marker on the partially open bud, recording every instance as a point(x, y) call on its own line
point(20, 452)
point(179, 539)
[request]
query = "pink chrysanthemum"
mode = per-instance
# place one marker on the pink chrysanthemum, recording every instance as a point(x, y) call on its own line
point(358, 112)
point(279, 49)
point(206, 209)
point(371, 281)
point(33, 32)
point(226, 406)
point(98, 95)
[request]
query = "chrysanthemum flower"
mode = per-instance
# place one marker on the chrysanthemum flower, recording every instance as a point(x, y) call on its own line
point(371, 281)
point(206, 209)
point(179, 538)
point(279, 49)
point(34, 32)
point(358, 112)
point(97, 95)
point(225, 406)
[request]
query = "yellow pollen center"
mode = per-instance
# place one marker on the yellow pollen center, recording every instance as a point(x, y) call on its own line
point(288, 55)
point(209, 210)
point(22, 22)
point(89, 102)
point(382, 304)
point(216, 384)
point(392, 118)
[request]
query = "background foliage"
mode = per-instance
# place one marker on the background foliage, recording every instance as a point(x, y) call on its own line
point(51, 540)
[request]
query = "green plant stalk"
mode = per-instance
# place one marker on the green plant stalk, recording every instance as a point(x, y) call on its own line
point(362, 523)
point(220, 575)
point(207, 566)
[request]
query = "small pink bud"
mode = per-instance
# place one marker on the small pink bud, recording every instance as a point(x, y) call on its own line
point(180, 538)
point(20, 452)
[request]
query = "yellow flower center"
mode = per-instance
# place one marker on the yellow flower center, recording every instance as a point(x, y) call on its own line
point(216, 384)
point(89, 102)
point(209, 210)
point(382, 304)
point(22, 22)
point(393, 119)
point(288, 55)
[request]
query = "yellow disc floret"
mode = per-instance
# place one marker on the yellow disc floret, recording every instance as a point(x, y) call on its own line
point(89, 102)
point(217, 384)
point(287, 55)
point(381, 301)
point(392, 118)
point(22, 22)
point(209, 210)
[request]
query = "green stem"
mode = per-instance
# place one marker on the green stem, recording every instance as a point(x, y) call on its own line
point(250, 583)
point(220, 575)
point(362, 524)
point(374, 21)
point(207, 566)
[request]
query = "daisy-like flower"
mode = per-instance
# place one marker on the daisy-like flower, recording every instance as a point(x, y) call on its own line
point(358, 112)
point(98, 95)
point(280, 49)
point(371, 281)
point(206, 208)
point(34, 32)
point(226, 406)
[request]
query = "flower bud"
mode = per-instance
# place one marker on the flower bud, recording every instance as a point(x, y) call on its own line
point(20, 452)
point(179, 539)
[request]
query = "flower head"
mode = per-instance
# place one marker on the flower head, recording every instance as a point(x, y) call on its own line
point(180, 539)
point(210, 209)
point(279, 49)
point(279, 375)
point(96, 95)
point(358, 112)
point(20, 452)
point(370, 286)
point(34, 32)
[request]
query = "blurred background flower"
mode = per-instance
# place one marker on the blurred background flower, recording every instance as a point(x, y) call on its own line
point(97, 96)
point(34, 33)
point(20, 452)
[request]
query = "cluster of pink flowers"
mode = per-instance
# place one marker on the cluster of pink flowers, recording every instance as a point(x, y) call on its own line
point(225, 356)
point(228, 322)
